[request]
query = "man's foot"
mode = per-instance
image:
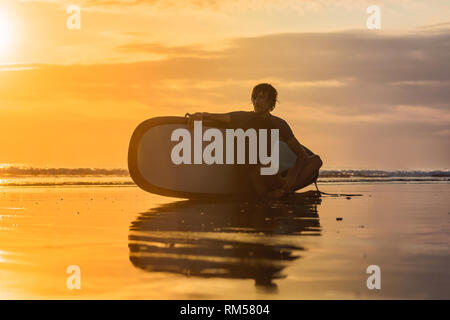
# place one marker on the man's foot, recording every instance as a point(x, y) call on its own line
point(312, 193)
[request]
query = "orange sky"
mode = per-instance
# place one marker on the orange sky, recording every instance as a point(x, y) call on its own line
point(360, 98)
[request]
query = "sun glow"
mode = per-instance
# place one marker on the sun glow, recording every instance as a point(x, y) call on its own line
point(5, 33)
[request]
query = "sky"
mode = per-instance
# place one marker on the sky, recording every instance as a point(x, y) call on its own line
point(359, 98)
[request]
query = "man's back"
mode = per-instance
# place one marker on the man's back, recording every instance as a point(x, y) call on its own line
point(250, 119)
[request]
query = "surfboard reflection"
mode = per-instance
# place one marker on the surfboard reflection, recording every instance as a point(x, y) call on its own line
point(227, 239)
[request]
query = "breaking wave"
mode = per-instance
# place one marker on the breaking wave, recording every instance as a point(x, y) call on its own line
point(33, 176)
point(19, 171)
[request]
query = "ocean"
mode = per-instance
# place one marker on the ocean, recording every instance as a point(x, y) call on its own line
point(38, 176)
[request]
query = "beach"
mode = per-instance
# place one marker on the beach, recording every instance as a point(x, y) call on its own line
point(129, 244)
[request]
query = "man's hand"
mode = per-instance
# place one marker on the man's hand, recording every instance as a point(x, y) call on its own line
point(198, 116)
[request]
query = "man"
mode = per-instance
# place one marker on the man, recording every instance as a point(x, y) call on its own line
point(305, 170)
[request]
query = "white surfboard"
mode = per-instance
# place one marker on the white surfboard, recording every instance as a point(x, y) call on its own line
point(152, 169)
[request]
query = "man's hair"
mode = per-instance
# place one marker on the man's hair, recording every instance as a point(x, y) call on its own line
point(271, 93)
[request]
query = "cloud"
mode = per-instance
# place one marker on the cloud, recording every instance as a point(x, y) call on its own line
point(442, 25)
point(352, 72)
point(299, 6)
point(166, 51)
point(346, 73)
point(12, 68)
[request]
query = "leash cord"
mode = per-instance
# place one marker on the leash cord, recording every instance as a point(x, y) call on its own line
point(335, 194)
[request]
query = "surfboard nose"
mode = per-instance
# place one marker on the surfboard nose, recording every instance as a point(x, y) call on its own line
point(151, 167)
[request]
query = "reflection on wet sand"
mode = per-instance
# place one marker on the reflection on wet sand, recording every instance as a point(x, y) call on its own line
point(228, 239)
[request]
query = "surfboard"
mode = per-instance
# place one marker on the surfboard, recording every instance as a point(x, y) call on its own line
point(151, 167)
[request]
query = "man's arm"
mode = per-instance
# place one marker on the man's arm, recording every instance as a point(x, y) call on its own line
point(302, 156)
point(221, 117)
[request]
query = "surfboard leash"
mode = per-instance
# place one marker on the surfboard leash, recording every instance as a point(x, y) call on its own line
point(336, 194)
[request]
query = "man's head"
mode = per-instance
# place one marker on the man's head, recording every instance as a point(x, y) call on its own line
point(264, 97)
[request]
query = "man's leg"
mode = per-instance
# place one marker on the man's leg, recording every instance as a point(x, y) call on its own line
point(307, 175)
point(263, 184)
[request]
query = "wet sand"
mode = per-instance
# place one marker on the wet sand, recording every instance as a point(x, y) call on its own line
point(133, 245)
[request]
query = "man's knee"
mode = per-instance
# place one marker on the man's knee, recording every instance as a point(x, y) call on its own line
point(319, 162)
point(316, 161)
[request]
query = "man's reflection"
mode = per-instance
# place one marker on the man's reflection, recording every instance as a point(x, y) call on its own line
point(227, 239)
